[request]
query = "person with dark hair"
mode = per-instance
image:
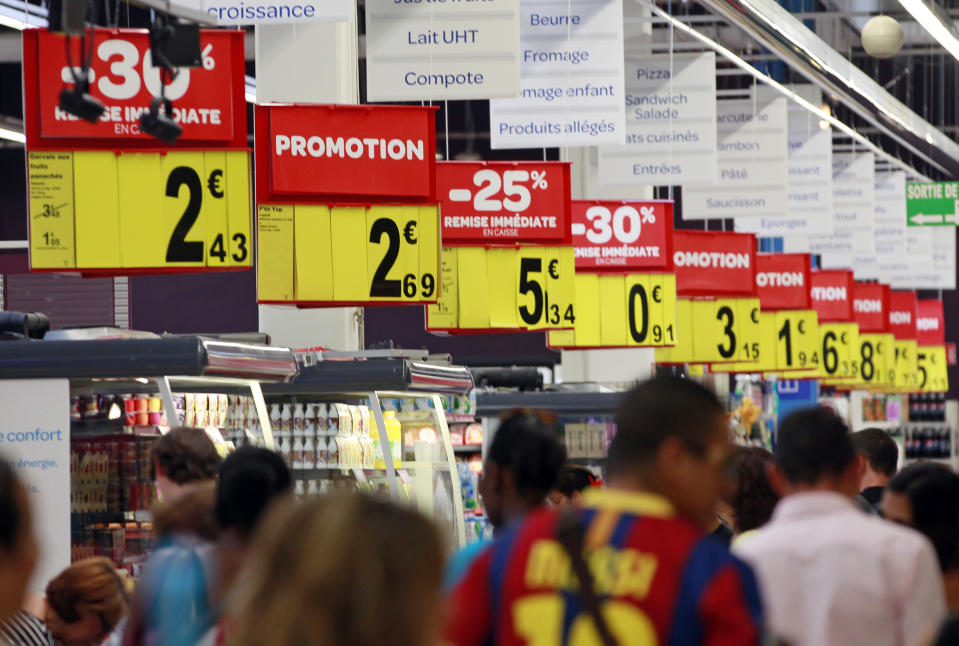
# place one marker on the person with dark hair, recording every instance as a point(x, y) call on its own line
point(753, 498)
point(925, 496)
point(18, 548)
point(830, 574)
point(522, 465)
point(181, 456)
point(632, 564)
point(573, 481)
point(878, 456)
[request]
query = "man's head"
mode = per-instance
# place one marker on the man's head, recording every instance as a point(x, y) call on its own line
point(672, 439)
point(18, 546)
point(250, 480)
point(573, 481)
point(878, 455)
point(522, 464)
point(925, 496)
point(85, 602)
point(814, 452)
point(182, 456)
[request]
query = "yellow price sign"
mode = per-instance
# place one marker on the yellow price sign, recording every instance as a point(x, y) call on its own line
point(726, 329)
point(108, 212)
point(840, 350)
point(933, 369)
point(759, 349)
point(876, 359)
point(615, 311)
point(797, 335)
point(523, 288)
point(682, 350)
point(907, 365)
point(319, 255)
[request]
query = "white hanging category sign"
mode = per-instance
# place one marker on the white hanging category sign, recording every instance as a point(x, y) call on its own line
point(810, 172)
point(275, 12)
point(571, 54)
point(442, 49)
point(670, 123)
point(852, 243)
point(753, 165)
point(890, 229)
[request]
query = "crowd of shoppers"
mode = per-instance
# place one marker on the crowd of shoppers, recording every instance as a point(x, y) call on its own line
point(830, 546)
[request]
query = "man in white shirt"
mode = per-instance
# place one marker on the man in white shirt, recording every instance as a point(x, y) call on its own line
point(829, 574)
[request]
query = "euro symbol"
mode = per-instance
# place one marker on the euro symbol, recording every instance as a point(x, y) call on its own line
point(553, 272)
point(802, 327)
point(656, 296)
point(409, 231)
point(755, 315)
point(214, 183)
point(845, 339)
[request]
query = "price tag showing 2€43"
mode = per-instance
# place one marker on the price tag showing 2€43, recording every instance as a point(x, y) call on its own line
point(99, 211)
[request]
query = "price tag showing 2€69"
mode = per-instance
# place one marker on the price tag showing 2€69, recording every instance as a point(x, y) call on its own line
point(102, 211)
point(316, 254)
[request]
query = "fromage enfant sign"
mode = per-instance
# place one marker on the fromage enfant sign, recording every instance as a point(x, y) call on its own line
point(831, 293)
point(709, 263)
point(782, 280)
point(323, 152)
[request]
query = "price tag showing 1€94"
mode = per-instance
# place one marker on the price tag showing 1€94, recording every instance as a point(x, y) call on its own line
point(99, 210)
point(797, 333)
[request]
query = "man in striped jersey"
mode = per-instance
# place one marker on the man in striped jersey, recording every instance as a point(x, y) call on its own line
point(655, 578)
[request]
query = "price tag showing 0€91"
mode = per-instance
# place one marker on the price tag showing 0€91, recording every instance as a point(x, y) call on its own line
point(615, 311)
point(505, 288)
point(316, 254)
point(97, 210)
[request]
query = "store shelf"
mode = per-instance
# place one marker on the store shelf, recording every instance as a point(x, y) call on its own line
point(435, 466)
point(571, 403)
point(880, 425)
point(459, 418)
point(468, 448)
point(587, 460)
point(375, 375)
point(946, 461)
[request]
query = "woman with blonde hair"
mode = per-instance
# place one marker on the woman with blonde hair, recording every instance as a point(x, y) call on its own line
point(342, 570)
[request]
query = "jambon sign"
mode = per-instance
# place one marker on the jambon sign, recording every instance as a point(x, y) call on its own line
point(325, 151)
point(783, 281)
point(710, 263)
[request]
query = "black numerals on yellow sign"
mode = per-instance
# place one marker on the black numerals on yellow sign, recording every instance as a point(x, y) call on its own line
point(924, 378)
point(527, 286)
point(830, 358)
point(727, 349)
point(638, 334)
point(867, 369)
point(179, 249)
point(383, 287)
point(785, 335)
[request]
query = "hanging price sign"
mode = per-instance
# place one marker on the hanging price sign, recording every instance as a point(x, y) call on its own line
point(721, 330)
point(870, 307)
point(97, 211)
point(907, 366)
point(621, 311)
point(930, 323)
point(622, 236)
point(783, 281)
point(831, 293)
point(933, 369)
point(504, 202)
point(709, 263)
point(876, 359)
point(839, 350)
point(317, 255)
point(505, 288)
point(105, 198)
point(761, 351)
point(798, 347)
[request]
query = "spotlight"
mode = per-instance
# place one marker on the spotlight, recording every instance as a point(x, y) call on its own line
point(158, 121)
point(80, 103)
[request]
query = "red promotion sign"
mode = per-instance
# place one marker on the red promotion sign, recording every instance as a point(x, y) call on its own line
point(782, 280)
point(622, 236)
point(710, 263)
point(930, 323)
point(485, 202)
point(208, 101)
point(831, 295)
point(344, 152)
point(902, 315)
point(870, 307)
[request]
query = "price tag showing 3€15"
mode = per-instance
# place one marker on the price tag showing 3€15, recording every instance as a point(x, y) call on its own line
point(726, 329)
point(316, 254)
point(96, 210)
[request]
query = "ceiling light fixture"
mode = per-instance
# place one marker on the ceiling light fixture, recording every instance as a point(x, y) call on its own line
point(12, 135)
point(928, 17)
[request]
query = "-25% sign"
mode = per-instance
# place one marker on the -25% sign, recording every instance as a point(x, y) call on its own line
point(504, 201)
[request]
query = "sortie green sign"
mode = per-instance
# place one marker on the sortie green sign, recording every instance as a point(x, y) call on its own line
point(932, 204)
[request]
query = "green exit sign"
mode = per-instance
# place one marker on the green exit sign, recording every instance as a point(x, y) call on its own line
point(932, 204)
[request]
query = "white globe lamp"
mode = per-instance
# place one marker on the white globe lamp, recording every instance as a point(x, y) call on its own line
point(882, 37)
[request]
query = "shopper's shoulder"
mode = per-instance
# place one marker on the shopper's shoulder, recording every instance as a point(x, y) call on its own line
point(898, 538)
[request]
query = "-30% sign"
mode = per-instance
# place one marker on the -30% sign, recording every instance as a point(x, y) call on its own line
point(625, 223)
point(615, 236)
